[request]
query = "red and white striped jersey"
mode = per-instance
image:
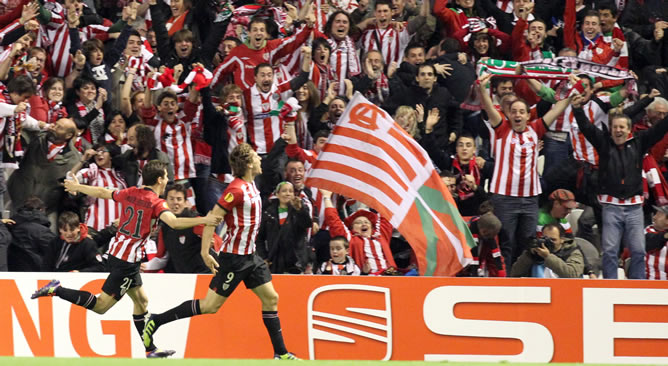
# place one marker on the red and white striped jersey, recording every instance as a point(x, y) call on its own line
point(635, 200)
point(621, 60)
point(102, 212)
point(392, 42)
point(656, 265)
point(516, 159)
point(241, 61)
point(174, 139)
point(264, 124)
point(243, 206)
point(55, 37)
point(583, 150)
point(141, 209)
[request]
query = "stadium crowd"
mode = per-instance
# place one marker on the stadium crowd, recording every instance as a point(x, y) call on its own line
point(555, 176)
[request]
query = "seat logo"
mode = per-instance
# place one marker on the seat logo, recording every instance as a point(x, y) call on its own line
point(340, 329)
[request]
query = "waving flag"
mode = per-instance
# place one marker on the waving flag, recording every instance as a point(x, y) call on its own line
point(371, 159)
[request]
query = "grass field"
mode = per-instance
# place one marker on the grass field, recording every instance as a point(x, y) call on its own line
point(27, 361)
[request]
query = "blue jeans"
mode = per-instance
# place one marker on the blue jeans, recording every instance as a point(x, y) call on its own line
point(555, 151)
point(214, 189)
point(519, 216)
point(623, 224)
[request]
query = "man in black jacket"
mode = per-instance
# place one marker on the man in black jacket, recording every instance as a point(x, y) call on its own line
point(31, 237)
point(431, 95)
point(620, 189)
point(179, 250)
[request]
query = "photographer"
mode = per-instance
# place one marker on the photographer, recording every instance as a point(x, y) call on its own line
point(553, 255)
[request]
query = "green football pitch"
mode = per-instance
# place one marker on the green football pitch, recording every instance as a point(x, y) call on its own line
point(11, 361)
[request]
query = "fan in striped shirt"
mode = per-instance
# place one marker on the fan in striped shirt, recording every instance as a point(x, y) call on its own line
point(515, 186)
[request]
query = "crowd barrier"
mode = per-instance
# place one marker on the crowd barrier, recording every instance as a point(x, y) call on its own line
point(375, 318)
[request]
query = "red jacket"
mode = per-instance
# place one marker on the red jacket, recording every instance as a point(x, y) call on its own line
point(382, 234)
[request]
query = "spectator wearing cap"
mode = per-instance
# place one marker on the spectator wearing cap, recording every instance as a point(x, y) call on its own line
point(656, 245)
point(561, 202)
point(369, 236)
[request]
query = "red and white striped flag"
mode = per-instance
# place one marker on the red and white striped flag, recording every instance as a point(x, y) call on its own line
point(368, 157)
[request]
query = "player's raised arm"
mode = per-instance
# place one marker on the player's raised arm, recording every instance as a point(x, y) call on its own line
point(72, 186)
point(207, 235)
point(180, 223)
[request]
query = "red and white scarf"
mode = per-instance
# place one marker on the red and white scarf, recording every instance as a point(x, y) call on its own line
point(344, 58)
point(463, 191)
point(55, 112)
point(96, 127)
point(54, 150)
point(379, 91)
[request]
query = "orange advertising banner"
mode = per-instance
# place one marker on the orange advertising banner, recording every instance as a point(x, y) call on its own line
point(375, 318)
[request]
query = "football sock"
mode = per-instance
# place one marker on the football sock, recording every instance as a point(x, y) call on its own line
point(76, 297)
point(187, 309)
point(139, 324)
point(273, 325)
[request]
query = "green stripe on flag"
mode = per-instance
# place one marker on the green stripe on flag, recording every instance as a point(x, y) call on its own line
point(437, 202)
point(431, 252)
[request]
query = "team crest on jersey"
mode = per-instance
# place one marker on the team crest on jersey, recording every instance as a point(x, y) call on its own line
point(182, 239)
point(229, 197)
point(265, 56)
point(599, 50)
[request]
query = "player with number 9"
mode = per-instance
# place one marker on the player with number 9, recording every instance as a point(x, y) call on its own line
point(241, 206)
point(141, 209)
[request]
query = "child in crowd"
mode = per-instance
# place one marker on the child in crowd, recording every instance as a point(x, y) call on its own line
point(73, 250)
point(340, 263)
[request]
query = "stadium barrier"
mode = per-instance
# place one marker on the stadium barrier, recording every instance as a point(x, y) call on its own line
point(327, 317)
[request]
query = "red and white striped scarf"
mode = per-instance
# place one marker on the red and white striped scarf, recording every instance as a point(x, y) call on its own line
point(379, 90)
point(55, 112)
point(140, 64)
point(462, 191)
point(344, 58)
point(653, 181)
point(96, 126)
point(54, 150)
point(11, 135)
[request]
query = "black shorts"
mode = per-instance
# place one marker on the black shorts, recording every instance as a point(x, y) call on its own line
point(235, 268)
point(122, 277)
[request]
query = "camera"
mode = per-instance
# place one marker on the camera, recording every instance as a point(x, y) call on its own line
point(537, 243)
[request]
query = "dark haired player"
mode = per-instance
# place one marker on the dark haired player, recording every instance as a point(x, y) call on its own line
point(140, 206)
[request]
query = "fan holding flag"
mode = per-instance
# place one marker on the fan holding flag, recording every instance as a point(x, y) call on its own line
point(370, 158)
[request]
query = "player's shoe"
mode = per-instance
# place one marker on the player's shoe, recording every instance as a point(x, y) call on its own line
point(149, 328)
point(287, 356)
point(160, 353)
point(48, 290)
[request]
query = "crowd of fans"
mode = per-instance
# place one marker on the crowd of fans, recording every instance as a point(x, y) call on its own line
point(93, 90)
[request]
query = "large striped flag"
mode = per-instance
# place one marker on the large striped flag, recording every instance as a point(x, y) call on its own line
point(368, 157)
